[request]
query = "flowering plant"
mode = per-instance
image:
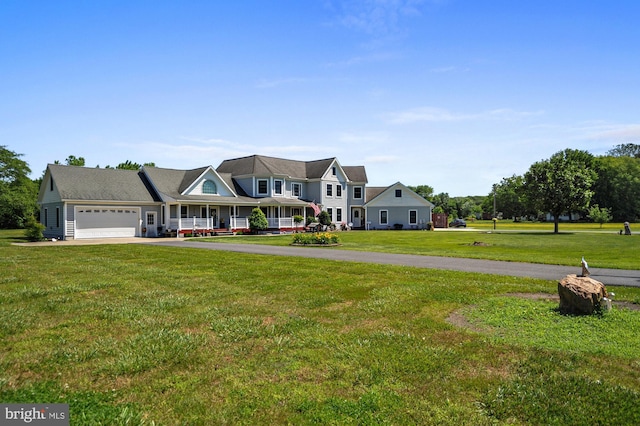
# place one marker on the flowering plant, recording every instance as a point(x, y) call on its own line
point(318, 238)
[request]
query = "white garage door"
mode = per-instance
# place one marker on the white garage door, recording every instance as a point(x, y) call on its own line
point(106, 222)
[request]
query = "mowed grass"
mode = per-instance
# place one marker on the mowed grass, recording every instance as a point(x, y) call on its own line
point(134, 334)
point(515, 242)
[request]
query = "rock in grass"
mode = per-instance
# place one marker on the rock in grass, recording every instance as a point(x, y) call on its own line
point(580, 295)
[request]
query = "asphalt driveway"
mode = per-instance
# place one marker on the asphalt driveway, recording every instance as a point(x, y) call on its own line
point(630, 278)
point(614, 277)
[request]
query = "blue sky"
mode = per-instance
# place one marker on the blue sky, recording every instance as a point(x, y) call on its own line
point(455, 94)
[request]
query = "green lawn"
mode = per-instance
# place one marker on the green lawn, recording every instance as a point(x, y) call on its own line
point(137, 334)
point(526, 242)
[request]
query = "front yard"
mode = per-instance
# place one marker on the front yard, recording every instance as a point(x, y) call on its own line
point(142, 334)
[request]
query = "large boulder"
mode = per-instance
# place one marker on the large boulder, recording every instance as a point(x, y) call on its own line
point(580, 295)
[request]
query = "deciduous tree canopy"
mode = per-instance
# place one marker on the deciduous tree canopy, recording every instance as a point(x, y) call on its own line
point(18, 193)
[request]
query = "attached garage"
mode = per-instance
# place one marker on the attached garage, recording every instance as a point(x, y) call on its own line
point(107, 222)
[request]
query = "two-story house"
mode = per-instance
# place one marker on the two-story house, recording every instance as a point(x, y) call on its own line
point(82, 202)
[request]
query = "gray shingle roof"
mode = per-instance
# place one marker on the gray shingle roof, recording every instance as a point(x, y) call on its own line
point(373, 191)
point(356, 173)
point(95, 184)
point(260, 165)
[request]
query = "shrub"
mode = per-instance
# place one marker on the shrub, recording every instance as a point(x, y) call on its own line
point(34, 229)
point(257, 221)
point(297, 219)
point(318, 238)
point(324, 218)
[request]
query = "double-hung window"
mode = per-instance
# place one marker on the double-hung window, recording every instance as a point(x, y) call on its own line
point(357, 193)
point(277, 187)
point(384, 219)
point(329, 190)
point(413, 217)
point(263, 187)
point(296, 189)
point(338, 190)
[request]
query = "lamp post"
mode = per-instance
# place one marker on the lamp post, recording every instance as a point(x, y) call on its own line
point(495, 219)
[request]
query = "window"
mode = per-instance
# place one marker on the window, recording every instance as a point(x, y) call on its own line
point(184, 212)
point(338, 190)
point(330, 211)
point(398, 193)
point(384, 217)
point(357, 192)
point(329, 190)
point(209, 187)
point(51, 184)
point(333, 171)
point(277, 187)
point(46, 217)
point(203, 212)
point(413, 217)
point(57, 217)
point(338, 215)
point(296, 189)
point(296, 211)
point(263, 187)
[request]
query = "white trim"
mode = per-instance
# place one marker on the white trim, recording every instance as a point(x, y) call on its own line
point(386, 222)
point(409, 218)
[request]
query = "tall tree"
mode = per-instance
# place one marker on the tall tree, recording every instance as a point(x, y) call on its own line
point(561, 184)
point(618, 187)
point(425, 191)
point(625, 150)
point(128, 165)
point(509, 199)
point(72, 160)
point(18, 193)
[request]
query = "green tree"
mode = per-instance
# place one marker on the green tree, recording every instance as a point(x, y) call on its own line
point(72, 160)
point(625, 150)
point(443, 202)
point(257, 221)
point(561, 184)
point(599, 214)
point(425, 191)
point(324, 218)
point(618, 186)
point(18, 193)
point(128, 165)
point(509, 198)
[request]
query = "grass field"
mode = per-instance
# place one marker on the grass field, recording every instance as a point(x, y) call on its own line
point(137, 334)
point(521, 242)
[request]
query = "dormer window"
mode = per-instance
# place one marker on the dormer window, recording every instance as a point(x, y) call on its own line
point(209, 187)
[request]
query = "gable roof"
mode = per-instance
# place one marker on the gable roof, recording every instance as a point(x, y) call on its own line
point(260, 165)
point(95, 184)
point(377, 192)
point(372, 192)
point(356, 173)
point(172, 183)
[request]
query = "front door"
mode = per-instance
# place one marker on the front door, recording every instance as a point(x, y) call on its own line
point(213, 214)
point(356, 218)
point(151, 225)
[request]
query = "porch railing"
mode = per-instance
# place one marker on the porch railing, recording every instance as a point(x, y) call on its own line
point(235, 223)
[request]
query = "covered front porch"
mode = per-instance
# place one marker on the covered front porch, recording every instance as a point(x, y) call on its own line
point(213, 219)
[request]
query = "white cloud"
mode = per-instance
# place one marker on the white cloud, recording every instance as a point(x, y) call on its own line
point(619, 133)
point(431, 114)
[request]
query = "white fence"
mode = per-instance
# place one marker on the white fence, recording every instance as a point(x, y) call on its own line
point(236, 223)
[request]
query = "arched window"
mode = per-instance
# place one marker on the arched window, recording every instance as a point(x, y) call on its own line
point(209, 187)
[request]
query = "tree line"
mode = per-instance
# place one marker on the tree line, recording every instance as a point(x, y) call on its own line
point(601, 188)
